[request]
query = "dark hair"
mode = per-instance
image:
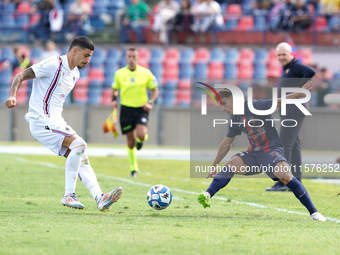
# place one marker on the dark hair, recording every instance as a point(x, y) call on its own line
point(132, 48)
point(82, 42)
point(224, 93)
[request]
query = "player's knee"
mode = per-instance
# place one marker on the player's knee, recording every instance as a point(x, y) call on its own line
point(79, 145)
point(286, 179)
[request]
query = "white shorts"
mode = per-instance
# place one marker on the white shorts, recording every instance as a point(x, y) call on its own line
point(51, 132)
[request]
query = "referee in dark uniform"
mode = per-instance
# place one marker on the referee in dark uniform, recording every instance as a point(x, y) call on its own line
point(295, 74)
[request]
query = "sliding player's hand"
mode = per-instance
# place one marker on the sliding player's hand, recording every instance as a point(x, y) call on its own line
point(11, 102)
point(213, 172)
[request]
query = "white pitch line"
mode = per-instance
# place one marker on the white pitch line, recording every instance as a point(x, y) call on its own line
point(175, 189)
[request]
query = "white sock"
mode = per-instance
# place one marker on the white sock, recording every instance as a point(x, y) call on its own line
point(72, 164)
point(88, 177)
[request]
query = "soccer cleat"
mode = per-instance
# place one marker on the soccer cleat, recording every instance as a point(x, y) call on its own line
point(139, 145)
point(318, 216)
point(133, 174)
point(72, 201)
point(203, 200)
point(108, 199)
point(278, 186)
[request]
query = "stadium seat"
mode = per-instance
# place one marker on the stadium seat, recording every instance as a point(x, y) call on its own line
point(201, 70)
point(231, 24)
point(274, 71)
point(96, 74)
point(230, 71)
point(144, 54)
point(6, 76)
point(183, 97)
point(171, 71)
point(22, 21)
point(82, 82)
point(34, 19)
point(320, 23)
point(99, 8)
point(106, 98)
point(184, 84)
point(202, 55)
point(170, 85)
point(334, 23)
point(7, 54)
point(96, 62)
point(306, 55)
point(234, 9)
point(215, 70)
point(113, 55)
point(187, 56)
point(23, 8)
point(22, 95)
point(9, 8)
point(37, 52)
point(231, 56)
point(261, 56)
point(7, 21)
point(172, 55)
point(4, 94)
point(169, 98)
point(260, 23)
point(94, 96)
point(157, 70)
point(185, 71)
point(98, 53)
point(157, 55)
point(96, 22)
point(260, 71)
point(79, 95)
point(246, 54)
point(245, 71)
point(245, 23)
point(217, 54)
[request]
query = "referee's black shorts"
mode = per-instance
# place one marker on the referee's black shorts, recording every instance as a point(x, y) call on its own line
point(131, 116)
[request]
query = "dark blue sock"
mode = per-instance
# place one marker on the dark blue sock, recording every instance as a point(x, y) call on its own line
point(220, 181)
point(301, 193)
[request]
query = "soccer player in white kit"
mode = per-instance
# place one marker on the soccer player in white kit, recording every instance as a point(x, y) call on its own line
point(54, 78)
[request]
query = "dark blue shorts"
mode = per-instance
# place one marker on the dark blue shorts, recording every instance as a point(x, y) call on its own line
point(260, 162)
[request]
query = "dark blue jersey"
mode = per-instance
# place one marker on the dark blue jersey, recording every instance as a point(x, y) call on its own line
point(260, 130)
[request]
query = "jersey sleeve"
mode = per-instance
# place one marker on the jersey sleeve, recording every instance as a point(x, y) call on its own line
point(152, 82)
point(46, 67)
point(234, 130)
point(116, 84)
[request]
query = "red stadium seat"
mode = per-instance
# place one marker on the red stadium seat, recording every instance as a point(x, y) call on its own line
point(144, 54)
point(246, 54)
point(321, 23)
point(96, 74)
point(245, 23)
point(80, 95)
point(144, 63)
point(215, 70)
point(183, 96)
point(274, 70)
point(106, 96)
point(82, 82)
point(24, 8)
point(184, 84)
point(245, 71)
point(234, 9)
point(202, 55)
point(171, 71)
point(89, 2)
point(306, 55)
point(172, 55)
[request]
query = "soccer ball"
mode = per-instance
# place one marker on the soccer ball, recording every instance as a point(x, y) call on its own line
point(159, 197)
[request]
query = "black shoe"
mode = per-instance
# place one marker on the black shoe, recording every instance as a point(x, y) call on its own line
point(278, 186)
point(133, 174)
point(139, 146)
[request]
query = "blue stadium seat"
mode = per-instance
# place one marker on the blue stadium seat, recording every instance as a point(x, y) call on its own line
point(36, 52)
point(94, 95)
point(334, 23)
point(185, 71)
point(95, 84)
point(261, 56)
point(169, 98)
point(22, 21)
point(201, 70)
point(4, 94)
point(260, 71)
point(84, 72)
point(187, 55)
point(99, 8)
point(113, 55)
point(217, 54)
point(230, 71)
point(9, 8)
point(7, 53)
point(170, 85)
point(231, 24)
point(96, 22)
point(6, 76)
point(98, 53)
point(157, 55)
point(157, 70)
point(7, 21)
point(260, 23)
point(231, 56)
point(96, 62)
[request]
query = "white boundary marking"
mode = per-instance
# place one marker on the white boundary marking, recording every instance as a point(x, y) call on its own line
point(175, 189)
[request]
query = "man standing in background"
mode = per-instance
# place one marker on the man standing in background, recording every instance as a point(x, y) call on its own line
point(133, 82)
point(294, 75)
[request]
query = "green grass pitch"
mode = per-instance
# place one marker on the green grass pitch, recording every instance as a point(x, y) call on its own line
point(32, 221)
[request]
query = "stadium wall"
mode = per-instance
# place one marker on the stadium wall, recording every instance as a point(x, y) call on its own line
point(169, 126)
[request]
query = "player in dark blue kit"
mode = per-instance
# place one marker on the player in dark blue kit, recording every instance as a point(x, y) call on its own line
point(265, 152)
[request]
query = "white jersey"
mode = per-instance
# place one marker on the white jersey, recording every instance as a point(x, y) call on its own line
point(54, 81)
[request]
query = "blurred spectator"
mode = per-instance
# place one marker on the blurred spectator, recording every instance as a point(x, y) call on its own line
point(323, 88)
point(168, 9)
point(301, 17)
point(20, 59)
point(262, 7)
point(41, 30)
point(77, 15)
point(135, 19)
point(208, 15)
point(330, 7)
point(184, 19)
point(50, 50)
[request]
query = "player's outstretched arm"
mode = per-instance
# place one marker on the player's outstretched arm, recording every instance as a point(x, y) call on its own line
point(308, 85)
point(26, 74)
point(221, 153)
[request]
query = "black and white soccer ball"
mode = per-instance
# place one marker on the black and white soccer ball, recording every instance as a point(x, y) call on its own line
point(159, 197)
